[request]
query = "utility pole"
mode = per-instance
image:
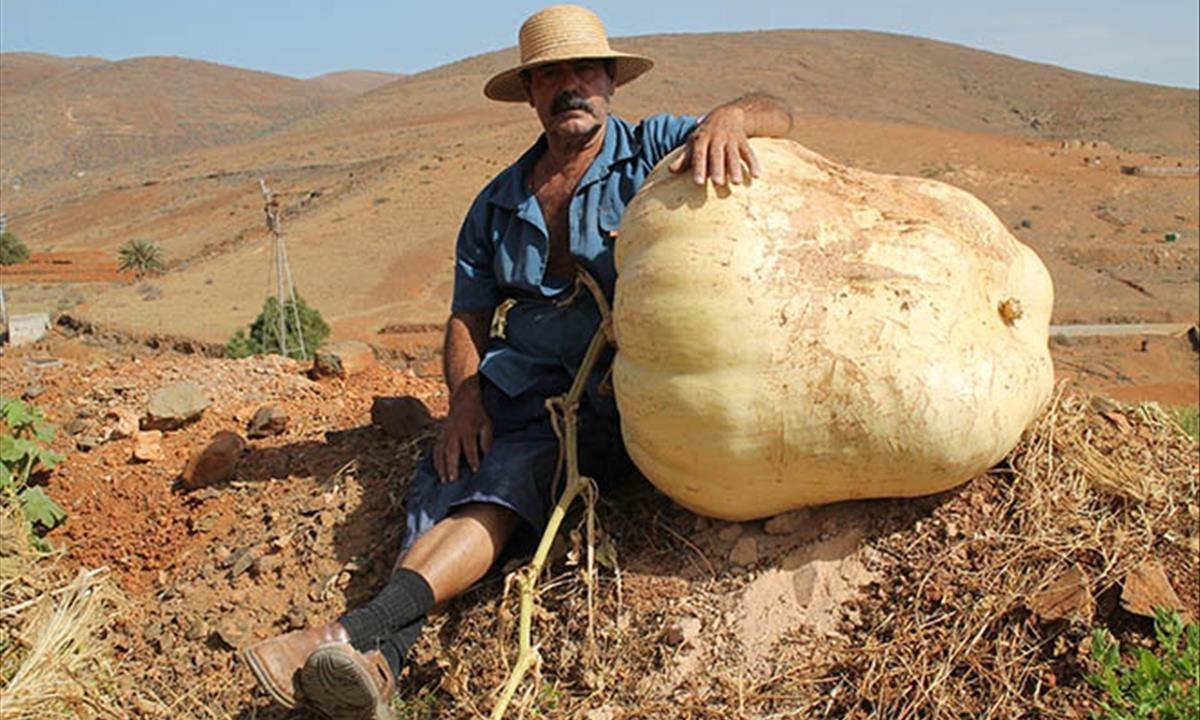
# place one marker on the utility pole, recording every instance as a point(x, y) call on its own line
point(285, 289)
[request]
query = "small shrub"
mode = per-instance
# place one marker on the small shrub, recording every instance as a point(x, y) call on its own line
point(22, 451)
point(143, 257)
point(1153, 686)
point(12, 250)
point(262, 336)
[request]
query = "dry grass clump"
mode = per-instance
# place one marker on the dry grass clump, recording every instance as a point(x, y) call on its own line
point(1094, 490)
point(53, 661)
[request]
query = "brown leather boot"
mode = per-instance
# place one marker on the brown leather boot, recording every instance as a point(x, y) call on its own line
point(344, 684)
point(276, 662)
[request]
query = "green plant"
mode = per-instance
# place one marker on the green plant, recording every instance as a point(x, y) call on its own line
point(12, 250)
point(143, 257)
point(1153, 686)
point(1188, 417)
point(22, 450)
point(263, 335)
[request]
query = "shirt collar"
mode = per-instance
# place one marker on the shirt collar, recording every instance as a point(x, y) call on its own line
point(511, 190)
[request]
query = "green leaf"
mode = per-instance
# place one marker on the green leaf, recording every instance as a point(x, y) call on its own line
point(17, 414)
point(6, 477)
point(10, 451)
point(41, 510)
point(43, 432)
point(49, 458)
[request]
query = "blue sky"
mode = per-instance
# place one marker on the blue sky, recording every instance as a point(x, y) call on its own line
point(1153, 40)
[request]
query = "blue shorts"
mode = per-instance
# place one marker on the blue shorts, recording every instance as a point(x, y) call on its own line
point(518, 472)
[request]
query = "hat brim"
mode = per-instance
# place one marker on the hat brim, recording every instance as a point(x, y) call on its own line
point(509, 87)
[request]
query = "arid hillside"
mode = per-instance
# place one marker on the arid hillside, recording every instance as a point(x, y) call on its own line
point(374, 186)
point(355, 81)
point(65, 116)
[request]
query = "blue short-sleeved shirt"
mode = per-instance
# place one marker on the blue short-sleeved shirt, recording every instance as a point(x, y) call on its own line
point(503, 250)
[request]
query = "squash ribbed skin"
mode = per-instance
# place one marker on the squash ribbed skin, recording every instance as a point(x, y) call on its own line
point(822, 334)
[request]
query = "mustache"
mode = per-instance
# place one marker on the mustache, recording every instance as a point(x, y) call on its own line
point(565, 101)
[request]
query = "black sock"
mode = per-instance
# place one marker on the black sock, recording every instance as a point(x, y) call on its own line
point(395, 646)
point(404, 600)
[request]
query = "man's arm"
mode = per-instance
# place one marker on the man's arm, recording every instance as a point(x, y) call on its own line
point(720, 143)
point(467, 430)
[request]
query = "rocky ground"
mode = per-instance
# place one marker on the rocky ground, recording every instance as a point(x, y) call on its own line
point(839, 611)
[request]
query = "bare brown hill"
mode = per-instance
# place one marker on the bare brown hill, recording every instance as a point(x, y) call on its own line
point(65, 116)
point(898, 78)
point(355, 81)
point(375, 185)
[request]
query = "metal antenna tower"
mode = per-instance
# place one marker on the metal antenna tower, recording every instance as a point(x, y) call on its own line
point(281, 270)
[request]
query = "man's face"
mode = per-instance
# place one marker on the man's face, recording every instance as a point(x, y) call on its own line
point(571, 98)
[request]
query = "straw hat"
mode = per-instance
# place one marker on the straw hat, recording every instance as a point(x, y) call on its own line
point(562, 32)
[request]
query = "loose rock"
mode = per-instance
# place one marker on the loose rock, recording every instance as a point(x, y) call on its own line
point(1147, 587)
point(400, 417)
point(1067, 597)
point(122, 422)
point(343, 359)
point(268, 420)
point(147, 446)
point(745, 552)
point(731, 532)
point(786, 523)
point(174, 406)
point(214, 464)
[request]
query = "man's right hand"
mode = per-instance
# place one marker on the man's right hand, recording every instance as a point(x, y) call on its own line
point(467, 431)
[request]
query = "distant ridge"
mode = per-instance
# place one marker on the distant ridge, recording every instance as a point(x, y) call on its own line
point(64, 116)
point(355, 81)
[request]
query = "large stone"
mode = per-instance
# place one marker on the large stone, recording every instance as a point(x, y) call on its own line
point(174, 406)
point(215, 463)
point(400, 417)
point(343, 359)
point(268, 420)
point(147, 446)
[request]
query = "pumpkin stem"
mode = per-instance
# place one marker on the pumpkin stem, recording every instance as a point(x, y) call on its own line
point(564, 417)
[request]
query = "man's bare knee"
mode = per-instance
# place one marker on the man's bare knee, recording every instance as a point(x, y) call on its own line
point(497, 520)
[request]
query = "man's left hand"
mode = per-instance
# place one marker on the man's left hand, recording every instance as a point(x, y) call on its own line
point(718, 147)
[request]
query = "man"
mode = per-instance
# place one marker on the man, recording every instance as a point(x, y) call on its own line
point(489, 477)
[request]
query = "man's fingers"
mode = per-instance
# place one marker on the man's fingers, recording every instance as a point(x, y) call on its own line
point(682, 160)
point(485, 436)
point(451, 457)
point(471, 450)
point(751, 160)
point(716, 162)
point(700, 160)
point(735, 167)
point(439, 463)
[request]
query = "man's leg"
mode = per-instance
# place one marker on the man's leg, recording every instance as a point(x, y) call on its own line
point(459, 550)
point(441, 564)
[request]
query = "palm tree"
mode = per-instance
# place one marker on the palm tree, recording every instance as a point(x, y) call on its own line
point(143, 257)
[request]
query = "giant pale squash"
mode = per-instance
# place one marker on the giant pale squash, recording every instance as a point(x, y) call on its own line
point(822, 334)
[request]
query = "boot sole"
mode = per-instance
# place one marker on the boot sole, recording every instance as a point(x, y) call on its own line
point(265, 681)
point(338, 687)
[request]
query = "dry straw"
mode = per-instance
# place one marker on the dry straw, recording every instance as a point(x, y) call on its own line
point(60, 662)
